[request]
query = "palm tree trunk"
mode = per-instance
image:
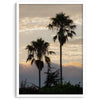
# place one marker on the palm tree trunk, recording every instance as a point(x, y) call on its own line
point(39, 79)
point(61, 63)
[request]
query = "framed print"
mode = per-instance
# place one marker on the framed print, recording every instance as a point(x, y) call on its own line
point(49, 50)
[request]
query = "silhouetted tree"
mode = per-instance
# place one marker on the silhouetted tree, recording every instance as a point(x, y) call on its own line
point(36, 52)
point(52, 78)
point(65, 30)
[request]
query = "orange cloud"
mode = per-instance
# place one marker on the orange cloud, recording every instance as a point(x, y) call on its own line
point(28, 64)
point(76, 64)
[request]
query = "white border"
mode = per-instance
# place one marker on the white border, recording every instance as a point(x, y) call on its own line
point(17, 51)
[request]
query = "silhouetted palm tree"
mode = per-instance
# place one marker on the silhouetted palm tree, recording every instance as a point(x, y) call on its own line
point(65, 29)
point(36, 52)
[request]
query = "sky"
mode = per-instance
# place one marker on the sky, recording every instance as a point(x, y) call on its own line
point(33, 21)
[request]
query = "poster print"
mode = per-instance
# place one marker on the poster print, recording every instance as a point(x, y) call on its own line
point(50, 42)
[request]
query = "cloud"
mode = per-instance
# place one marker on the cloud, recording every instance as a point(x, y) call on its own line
point(77, 41)
point(71, 72)
point(36, 23)
point(75, 64)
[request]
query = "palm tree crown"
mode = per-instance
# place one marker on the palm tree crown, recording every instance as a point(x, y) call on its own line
point(65, 27)
point(38, 49)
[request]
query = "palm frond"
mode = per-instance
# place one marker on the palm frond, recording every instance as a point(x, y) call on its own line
point(34, 43)
point(46, 44)
point(29, 47)
point(67, 30)
point(47, 59)
point(70, 35)
point(54, 38)
point(73, 32)
point(32, 61)
point(73, 26)
point(29, 57)
point(51, 52)
point(50, 26)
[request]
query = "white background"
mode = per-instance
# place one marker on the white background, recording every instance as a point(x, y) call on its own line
point(91, 50)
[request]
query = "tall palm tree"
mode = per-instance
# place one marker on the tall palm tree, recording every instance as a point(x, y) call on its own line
point(36, 52)
point(65, 30)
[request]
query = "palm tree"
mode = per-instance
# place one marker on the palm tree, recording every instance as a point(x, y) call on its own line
point(36, 52)
point(65, 30)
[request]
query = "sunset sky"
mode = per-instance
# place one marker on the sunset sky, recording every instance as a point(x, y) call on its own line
point(33, 21)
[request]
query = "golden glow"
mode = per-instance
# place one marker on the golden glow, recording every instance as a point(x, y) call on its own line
point(26, 64)
point(76, 64)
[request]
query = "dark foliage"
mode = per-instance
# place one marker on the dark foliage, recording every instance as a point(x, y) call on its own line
point(66, 88)
point(28, 90)
point(52, 78)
